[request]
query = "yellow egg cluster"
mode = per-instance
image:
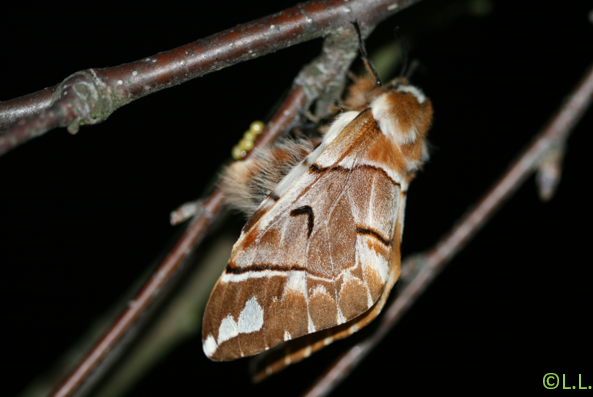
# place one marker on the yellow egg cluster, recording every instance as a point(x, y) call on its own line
point(246, 144)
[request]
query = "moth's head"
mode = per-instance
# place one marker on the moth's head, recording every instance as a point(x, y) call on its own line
point(404, 113)
point(402, 110)
point(364, 90)
point(405, 102)
point(401, 86)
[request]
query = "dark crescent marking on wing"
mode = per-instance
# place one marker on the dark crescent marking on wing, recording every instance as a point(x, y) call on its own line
point(374, 233)
point(305, 210)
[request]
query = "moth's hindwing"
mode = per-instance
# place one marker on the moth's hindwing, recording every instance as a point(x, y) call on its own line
point(319, 251)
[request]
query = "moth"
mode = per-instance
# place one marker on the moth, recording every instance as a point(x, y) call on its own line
point(321, 252)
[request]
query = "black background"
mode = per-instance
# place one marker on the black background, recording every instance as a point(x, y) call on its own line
point(82, 216)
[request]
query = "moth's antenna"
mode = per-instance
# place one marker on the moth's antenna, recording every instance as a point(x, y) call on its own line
point(414, 64)
point(404, 53)
point(363, 51)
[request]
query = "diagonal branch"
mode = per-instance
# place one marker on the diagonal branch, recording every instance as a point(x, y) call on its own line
point(421, 269)
point(90, 96)
point(174, 261)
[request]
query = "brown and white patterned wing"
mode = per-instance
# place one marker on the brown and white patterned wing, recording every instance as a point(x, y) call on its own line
point(293, 351)
point(317, 253)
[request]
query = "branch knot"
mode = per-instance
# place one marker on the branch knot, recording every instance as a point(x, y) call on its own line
point(82, 98)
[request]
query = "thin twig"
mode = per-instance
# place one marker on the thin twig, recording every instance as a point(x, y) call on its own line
point(90, 96)
point(422, 269)
point(171, 264)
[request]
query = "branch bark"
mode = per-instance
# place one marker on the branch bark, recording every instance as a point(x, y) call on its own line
point(91, 96)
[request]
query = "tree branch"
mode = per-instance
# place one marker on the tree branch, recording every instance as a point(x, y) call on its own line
point(91, 96)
